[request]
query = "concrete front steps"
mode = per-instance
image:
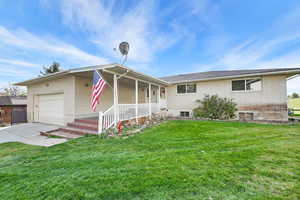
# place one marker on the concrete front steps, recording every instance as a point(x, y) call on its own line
point(82, 127)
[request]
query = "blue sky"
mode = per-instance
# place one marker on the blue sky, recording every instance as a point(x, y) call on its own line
point(166, 37)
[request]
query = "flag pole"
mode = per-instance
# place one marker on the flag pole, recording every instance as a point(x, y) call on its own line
point(104, 79)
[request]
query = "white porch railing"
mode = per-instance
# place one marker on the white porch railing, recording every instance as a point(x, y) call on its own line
point(143, 110)
point(106, 119)
point(155, 108)
point(163, 103)
point(125, 112)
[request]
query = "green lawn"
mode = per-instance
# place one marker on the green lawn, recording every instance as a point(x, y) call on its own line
point(176, 160)
point(295, 115)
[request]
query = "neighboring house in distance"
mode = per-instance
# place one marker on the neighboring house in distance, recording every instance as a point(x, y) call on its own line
point(64, 97)
point(13, 109)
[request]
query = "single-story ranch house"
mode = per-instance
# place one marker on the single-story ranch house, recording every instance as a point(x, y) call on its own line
point(63, 98)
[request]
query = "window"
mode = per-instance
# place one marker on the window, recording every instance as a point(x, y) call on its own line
point(238, 85)
point(184, 114)
point(253, 84)
point(181, 89)
point(186, 88)
point(247, 85)
point(191, 88)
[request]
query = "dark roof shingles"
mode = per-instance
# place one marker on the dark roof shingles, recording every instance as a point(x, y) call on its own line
point(219, 74)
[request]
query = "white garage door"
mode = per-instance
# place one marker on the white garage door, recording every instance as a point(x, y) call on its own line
point(51, 109)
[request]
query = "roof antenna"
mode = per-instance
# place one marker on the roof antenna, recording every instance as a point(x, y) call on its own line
point(124, 49)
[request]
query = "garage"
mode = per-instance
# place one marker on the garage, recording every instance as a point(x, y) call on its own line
point(49, 109)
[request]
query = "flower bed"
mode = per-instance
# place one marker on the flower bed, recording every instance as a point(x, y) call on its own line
point(132, 127)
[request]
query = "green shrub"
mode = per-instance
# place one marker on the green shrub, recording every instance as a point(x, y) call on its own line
point(214, 107)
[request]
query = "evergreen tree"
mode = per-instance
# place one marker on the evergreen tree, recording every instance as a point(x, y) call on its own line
point(55, 67)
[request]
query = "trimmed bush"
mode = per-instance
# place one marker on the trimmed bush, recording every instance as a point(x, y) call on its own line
point(214, 107)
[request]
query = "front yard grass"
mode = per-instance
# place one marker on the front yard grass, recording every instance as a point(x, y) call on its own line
point(295, 115)
point(176, 160)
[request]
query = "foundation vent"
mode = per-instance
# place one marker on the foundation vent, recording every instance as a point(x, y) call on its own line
point(246, 116)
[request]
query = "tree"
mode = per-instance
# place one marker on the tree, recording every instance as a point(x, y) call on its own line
point(53, 68)
point(11, 90)
point(214, 107)
point(295, 95)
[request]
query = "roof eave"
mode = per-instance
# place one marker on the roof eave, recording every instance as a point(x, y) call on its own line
point(87, 69)
point(291, 72)
point(42, 78)
point(148, 76)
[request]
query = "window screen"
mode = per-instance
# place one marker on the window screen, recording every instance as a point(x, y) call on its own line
point(181, 89)
point(186, 88)
point(191, 88)
point(238, 85)
point(247, 85)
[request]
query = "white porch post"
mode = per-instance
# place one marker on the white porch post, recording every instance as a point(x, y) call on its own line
point(136, 99)
point(116, 116)
point(166, 97)
point(149, 101)
point(100, 122)
point(159, 97)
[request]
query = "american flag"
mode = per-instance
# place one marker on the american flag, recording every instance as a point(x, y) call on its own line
point(98, 86)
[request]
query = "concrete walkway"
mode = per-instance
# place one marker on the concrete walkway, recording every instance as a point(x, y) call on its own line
point(29, 134)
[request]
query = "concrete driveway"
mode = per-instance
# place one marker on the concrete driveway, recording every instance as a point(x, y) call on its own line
point(29, 134)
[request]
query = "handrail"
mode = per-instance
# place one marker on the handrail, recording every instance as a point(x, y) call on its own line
point(108, 110)
point(125, 112)
point(106, 119)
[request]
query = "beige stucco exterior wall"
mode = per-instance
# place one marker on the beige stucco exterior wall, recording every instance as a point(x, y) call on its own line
point(274, 92)
point(77, 95)
point(64, 85)
point(83, 88)
point(83, 91)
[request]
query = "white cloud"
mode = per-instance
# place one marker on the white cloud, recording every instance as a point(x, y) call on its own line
point(108, 26)
point(18, 62)
point(143, 25)
point(206, 11)
point(25, 40)
point(273, 47)
point(5, 71)
point(257, 53)
point(293, 85)
point(290, 59)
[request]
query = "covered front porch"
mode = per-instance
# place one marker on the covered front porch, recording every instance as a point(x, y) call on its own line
point(128, 95)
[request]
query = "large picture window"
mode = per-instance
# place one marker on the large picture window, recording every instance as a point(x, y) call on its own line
point(186, 88)
point(247, 85)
